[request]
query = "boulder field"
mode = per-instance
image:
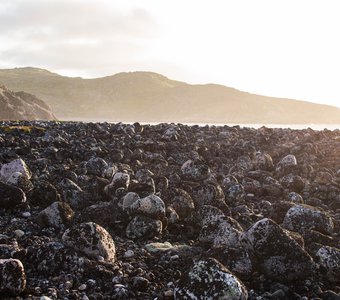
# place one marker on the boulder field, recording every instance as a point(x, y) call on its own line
point(168, 211)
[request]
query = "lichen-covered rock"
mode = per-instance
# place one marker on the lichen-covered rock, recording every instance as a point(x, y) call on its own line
point(329, 258)
point(276, 253)
point(209, 194)
point(228, 234)
point(209, 279)
point(304, 217)
point(96, 166)
point(92, 240)
point(17, 165)
point(57, 215)
point(11, 196)
point(195, 170)
point(209, 214)
point(142, 227)
point(151, 206)
point(12, 277)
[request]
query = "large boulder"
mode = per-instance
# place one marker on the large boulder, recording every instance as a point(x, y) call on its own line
point(276, 252)
point(209, 279)
point(92, 240)
point(303, 218)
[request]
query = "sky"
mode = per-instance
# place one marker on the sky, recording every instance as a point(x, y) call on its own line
point(282, 48)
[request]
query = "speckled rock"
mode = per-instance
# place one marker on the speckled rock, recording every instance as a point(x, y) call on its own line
point(151, 206)
point(209, 279)
point(142, 227)
point(92, 240)
point(209, 214)
point(293, 183)
point(195, 170)
point(129, 199)
point(287, 163)
point(304, 217)
point(17, 165)
point(209, 194)
point(72, 194)
point(119, 180)
point(295, 198)
point(329, 258)
point(12, 277)
point(11, 196)
point(96, 166)
point(57, 215)
point(285, 260)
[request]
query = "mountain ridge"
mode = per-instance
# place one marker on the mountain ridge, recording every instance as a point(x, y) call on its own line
point(22, 106)
point(152, 97)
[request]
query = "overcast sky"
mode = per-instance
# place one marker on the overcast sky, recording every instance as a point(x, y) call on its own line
point(284, 48)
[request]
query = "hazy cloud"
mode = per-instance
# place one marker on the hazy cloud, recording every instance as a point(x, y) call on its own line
point(77, 34)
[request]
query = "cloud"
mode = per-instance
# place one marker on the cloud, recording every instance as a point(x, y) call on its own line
point(78, 34)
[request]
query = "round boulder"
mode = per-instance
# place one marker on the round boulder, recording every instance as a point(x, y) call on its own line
point(92, 240)
point(303, 217)
point(209, 279)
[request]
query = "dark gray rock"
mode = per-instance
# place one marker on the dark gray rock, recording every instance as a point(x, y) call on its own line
point(142, 227)
point(12, 277)
point(11, 196)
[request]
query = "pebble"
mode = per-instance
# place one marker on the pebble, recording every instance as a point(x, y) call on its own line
point(19, 233)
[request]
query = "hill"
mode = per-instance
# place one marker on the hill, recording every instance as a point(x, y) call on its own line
point(151, 97)
point(22, 106)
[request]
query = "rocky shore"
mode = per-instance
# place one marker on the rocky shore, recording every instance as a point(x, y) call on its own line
point(168, 211)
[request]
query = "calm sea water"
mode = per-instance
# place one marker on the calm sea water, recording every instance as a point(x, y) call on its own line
point(292, 126)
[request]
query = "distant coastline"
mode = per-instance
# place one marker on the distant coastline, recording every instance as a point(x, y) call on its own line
point(256, 126)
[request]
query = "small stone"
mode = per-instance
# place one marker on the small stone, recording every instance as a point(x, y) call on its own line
point(45, 298)
point(169, 293)
point(82, 287)
point(19, 233)
point(26, 214)
point(129, 253)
